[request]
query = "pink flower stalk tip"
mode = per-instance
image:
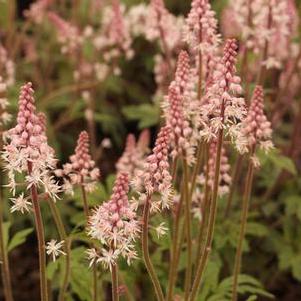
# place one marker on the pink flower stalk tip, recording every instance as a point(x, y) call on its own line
point(182, 71)
point(115, 224)
point(257, 128)
point(223, 108)
point(180, 130)
point(28, 147)
point(81, 170)
point(155, 177)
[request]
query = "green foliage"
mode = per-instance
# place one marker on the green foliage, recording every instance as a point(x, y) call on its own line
point(147, 115)
point(18, 239)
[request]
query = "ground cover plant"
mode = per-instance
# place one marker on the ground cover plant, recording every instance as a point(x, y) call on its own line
point(150, 150)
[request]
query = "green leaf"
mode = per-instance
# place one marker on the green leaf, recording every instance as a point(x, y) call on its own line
point(296, 267)
point(146, 114)
point(18, 239)
point(282, 162)
point(257, 229)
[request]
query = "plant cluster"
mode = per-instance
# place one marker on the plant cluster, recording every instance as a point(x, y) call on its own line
point(217, 88)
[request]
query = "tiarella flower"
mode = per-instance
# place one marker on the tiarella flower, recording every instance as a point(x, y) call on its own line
point(21, 204)
point(180, 128)
point(53, 248)
point(155, 177)
point(222, 107)
point(161, 230)
point(38, 10)
point(27, 150)
point(224, 177)
point(5, 117)
point(162, 25)
point(143, 141)
point(261, 21)
point(115, 225)
point(200, 29)
point(81, 170)
point(7, 67)
point(68, 34)
point(256, 127)
point(114, 40)
point(92, 256)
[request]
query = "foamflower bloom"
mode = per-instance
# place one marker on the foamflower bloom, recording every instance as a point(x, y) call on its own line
point(115, 225)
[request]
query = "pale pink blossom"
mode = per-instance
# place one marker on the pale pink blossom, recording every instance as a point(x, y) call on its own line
point(81, 170)
point(155, 177)
point(27, 150)
point(223, 107)
point(256, 126)
point(68, 34)
point(115, 225)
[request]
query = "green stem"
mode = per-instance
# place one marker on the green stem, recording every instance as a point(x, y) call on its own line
point(114, 274)
point(145, 251)
point(41, 242)
point(197, 167)
point(5, 271)
point(85, 202)
point(243, 225)
point(235, 178)
point(87, 213)
point(187, 211)
point(205, 210)
point(67, 246)
point(212, 218)
point(175, 245)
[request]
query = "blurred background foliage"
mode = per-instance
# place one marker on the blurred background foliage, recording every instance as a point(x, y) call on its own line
point(124, 104)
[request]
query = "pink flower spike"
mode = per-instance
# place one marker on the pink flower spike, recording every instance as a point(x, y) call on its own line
point(28, 144)
point(156, 177)
point(257, 128)
point(115, 224)
point(81, 170)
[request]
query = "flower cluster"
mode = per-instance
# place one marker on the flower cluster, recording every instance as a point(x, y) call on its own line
point(5, 117)
point(115, 224)
point(132, 158)
point(256, 127)
point(200, 29)
point(222, 107)
point(7, 67)
point(262, 22)
point(81, 170)
point(114, 38)
point(155, 176)
point(28, 152)
point(38, 11)
point(53, 248)
point(69, 35)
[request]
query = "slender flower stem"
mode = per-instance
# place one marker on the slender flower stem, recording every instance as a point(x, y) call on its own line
point(205, 210)
point(174, 169)
point(235, 177)
point(41, 238)
point(87, 213)
point(114, 274)
point(174, 250)
point(243, 225)
point(187, 211)
point(212, 217)
point(263, 69)
point(85, 202)
point(197, 167)
point(63, 236)
point(145, 251)
point(5, 271)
